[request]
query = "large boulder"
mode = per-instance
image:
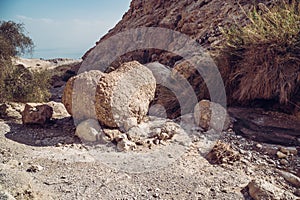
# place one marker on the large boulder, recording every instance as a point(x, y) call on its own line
point(36, 114)
point(80, 91)
point(209, 115)
point(124, 94)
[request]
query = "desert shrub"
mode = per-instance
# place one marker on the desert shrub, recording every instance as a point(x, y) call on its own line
point(21, 85)
point(16, 82)
point(13, 40)
point(264, 55)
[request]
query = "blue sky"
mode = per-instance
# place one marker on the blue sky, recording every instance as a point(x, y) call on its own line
point(64, 28)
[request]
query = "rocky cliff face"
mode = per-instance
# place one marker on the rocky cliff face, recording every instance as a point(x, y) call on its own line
point(200, 20)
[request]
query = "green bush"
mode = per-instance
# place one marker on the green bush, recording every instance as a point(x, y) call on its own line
point(16, 82)
point(264, 55)
point(13, 41)
point(21, 85)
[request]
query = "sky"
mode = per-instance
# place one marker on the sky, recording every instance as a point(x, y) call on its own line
point(64, 28)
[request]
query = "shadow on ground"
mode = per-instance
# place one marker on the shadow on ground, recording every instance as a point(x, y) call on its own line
point(58, 131)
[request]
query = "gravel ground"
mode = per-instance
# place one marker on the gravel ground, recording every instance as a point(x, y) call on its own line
point(51, 163)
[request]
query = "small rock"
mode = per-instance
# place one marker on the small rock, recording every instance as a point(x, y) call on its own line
point(242, 151)
point(112, 133)
point(259, 146)
point(89, 130)
point(58, 145)
point(156, 141)
point(121, 137)
point(259, 189)
point(155, 195)
point(291, 178)
point(36, 114)
point(288, 150)
point(284, 162)
point(35, 168)
point(163, 136)
point(126, 145)
point(155, 132)
point(130, 122)
point(281, 155)
point(222, 153)
point(245, 161)
point(209, 115)
point(59, 110)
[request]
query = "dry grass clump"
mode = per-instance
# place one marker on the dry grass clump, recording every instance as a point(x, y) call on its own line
point(264, 55)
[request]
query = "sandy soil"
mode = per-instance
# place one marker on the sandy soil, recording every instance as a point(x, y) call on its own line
point(51, 163)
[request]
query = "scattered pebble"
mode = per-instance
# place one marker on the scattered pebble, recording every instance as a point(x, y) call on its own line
point(35, 168)
point(281, 155)
point(288, 150)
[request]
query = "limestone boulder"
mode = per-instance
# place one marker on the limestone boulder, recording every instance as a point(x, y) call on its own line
point(209, 115)
point(124, 94)
point(79, 95)
point(89, 130)
point(36, 114)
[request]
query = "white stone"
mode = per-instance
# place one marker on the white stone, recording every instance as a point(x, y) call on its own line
point(281, 155)
point(89, 130)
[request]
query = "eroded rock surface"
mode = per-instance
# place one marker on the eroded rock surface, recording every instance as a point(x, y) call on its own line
point(124, 94)
point(79, 95)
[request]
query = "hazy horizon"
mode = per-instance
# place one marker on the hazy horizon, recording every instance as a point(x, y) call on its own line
point(63, 29)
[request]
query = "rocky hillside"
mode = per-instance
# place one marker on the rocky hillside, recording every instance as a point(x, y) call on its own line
point(200, 20)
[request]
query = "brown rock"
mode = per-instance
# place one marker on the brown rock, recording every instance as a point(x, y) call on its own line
point(79, 95)
point(123, 94)
point(222, 153)
point(209, 115)
point(36, 114)
point(259, 189)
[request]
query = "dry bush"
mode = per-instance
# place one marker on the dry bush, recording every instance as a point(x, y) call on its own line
point(21, 85)
point(264, 55)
